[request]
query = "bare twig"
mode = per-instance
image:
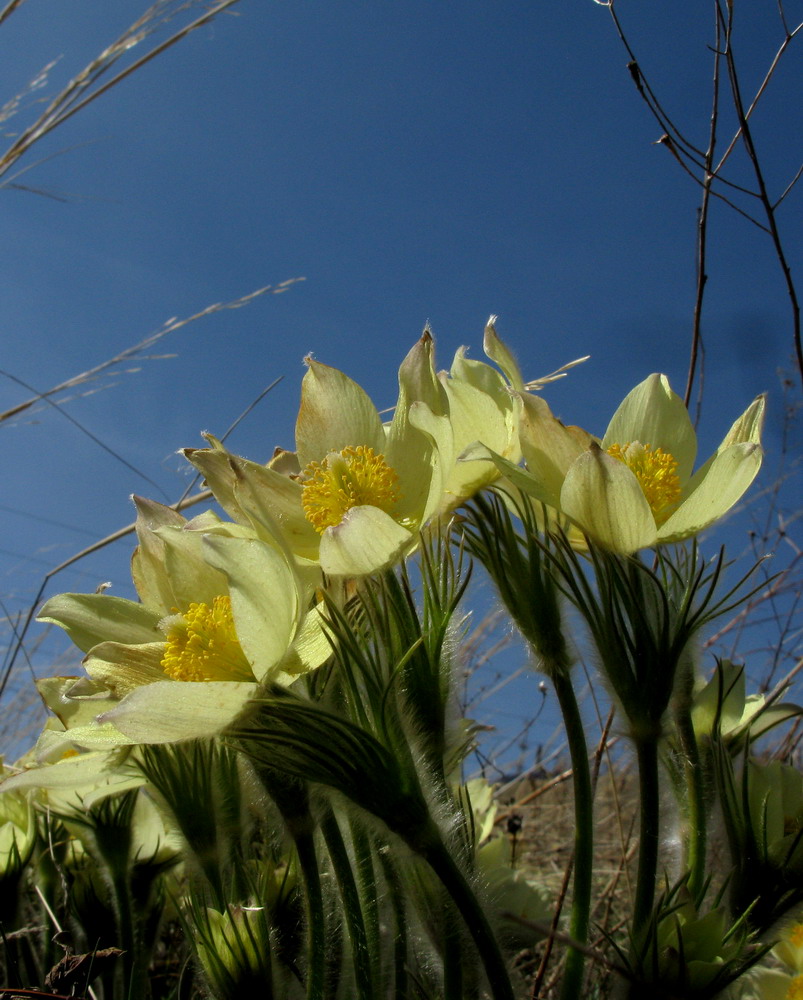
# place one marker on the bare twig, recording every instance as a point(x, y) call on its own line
point(702, 226)
point(9, 9)
point(694, 161)
point(789, 35)
point(747, 138)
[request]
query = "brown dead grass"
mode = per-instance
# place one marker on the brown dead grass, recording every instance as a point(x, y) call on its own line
point(543, 849)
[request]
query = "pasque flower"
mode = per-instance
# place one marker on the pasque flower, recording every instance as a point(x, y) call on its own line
point(357, 492)
point(220, 612)
point(636, 487)
point(786, 984)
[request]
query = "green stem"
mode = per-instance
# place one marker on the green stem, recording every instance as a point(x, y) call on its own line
point(352, 907)
point(696, 841)
point(397, 904)
point(583, 834)
point(647, 756)
point(452, 951)
point(292, 800)
point(135, 981)
point(316, 926)
point(467, 904)
point(369, 895)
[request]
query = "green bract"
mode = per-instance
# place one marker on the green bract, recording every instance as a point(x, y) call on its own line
point(775, 798)
point(722, 706)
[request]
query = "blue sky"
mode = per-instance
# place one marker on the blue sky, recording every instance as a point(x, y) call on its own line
point(415, 163)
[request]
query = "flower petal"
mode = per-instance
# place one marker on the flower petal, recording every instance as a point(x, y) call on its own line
point(310, 649)
point(520, 478)
point(416, 460)
point(265, 598)
point(179, 710)
point(654, 415)
point(219, 470)
point(603, 497)
point(499, 352)
point(272, 504)
point(365, 541)
point(749, 426)
point(73, 772)
point(725, 481)
point(549, 447)
point(335, 413)
point(193, 580)
point(55, 693)
point(771, 984)
point(418, 382)
point(92, 618)
point(479, 374)
point(121, 668)
point(747, 429)
point(147, 563)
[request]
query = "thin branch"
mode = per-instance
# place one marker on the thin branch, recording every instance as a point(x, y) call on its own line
point(747, 138)
point(702, 225)
point(232, 427)
point(762, 87)
point(84, 430)
point(669, 144)
point(789, 187)
point(9, 9)
point(646, 91)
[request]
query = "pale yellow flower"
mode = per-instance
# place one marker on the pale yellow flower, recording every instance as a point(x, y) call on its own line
point(636, 487)
point(221, 612)
point(357, 492)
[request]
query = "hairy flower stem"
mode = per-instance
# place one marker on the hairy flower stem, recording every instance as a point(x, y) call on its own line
point(583, 833)
point(647, 757)
point(696, 841)
point(292, 801)
point(369, 895)
point(352, 906)
point(454, 881)
point(698, 830)
point(397, 906)
point(316, 926)
point(452, 952)
point(134, 969)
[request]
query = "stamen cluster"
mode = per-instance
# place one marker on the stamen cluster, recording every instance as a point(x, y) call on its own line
point(354, 477)
point(656, 472)
point(202, 645)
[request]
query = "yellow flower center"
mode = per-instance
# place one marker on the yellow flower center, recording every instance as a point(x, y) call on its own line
point(795, 991)
point(354, 477)
point(656, 472)
point(202, 645)
point(796, 935)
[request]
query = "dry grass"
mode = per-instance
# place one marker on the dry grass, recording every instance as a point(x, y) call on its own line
point(543, 850)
